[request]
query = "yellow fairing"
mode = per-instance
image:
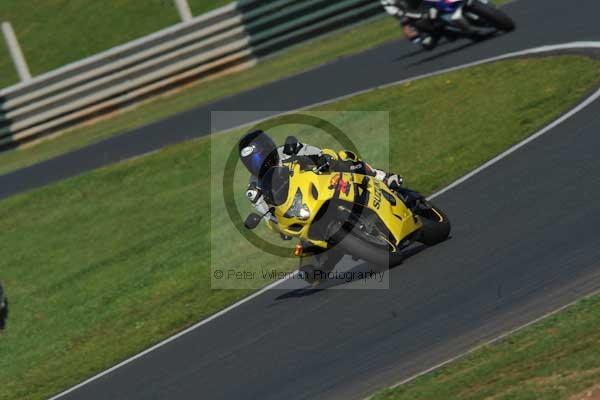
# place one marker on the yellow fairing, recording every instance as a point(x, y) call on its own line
point(318, 188)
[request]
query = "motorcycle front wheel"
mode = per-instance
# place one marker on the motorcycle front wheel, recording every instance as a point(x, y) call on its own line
point(495, 17)
point(436, 225)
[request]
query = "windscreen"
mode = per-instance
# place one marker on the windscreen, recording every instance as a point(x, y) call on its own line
point(275, 185)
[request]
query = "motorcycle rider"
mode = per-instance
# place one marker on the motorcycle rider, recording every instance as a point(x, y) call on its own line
point(259, 152)
point(417, 21)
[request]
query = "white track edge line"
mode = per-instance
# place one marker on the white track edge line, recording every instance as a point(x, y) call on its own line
point(490, 341)
point(536, 50)
point(172, 338)
point(521, 144)
point(520, 53)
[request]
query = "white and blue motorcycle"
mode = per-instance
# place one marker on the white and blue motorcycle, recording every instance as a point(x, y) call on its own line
point(452, 19)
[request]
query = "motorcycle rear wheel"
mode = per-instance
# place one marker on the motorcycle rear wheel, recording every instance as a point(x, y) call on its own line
point(497, 18)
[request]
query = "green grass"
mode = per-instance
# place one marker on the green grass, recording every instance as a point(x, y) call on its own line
point(551, 360)
point(105, 264)
point(53, 33)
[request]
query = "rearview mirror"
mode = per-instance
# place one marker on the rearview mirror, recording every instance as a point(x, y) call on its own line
point(252, 221)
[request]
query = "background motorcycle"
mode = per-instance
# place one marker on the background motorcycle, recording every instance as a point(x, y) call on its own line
point(473, 19)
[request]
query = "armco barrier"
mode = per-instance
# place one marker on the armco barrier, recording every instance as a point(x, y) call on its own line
point(227, 39)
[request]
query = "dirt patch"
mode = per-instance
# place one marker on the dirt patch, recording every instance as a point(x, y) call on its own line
point(589, 394)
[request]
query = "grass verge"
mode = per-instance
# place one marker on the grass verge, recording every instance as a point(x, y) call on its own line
point(107, 263)
point(551, 360)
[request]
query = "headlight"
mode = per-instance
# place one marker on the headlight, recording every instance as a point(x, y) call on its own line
point(298, 209)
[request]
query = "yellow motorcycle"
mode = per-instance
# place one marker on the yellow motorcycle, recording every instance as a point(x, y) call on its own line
point(352, 213)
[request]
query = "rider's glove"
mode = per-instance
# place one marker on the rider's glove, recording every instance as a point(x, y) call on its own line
point(393, 181)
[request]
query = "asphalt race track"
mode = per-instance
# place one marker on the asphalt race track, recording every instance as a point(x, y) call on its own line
point(524, 243)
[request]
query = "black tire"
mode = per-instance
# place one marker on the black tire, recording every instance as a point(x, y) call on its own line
point(355, 246)
point(497, 18)
point(436, 226)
